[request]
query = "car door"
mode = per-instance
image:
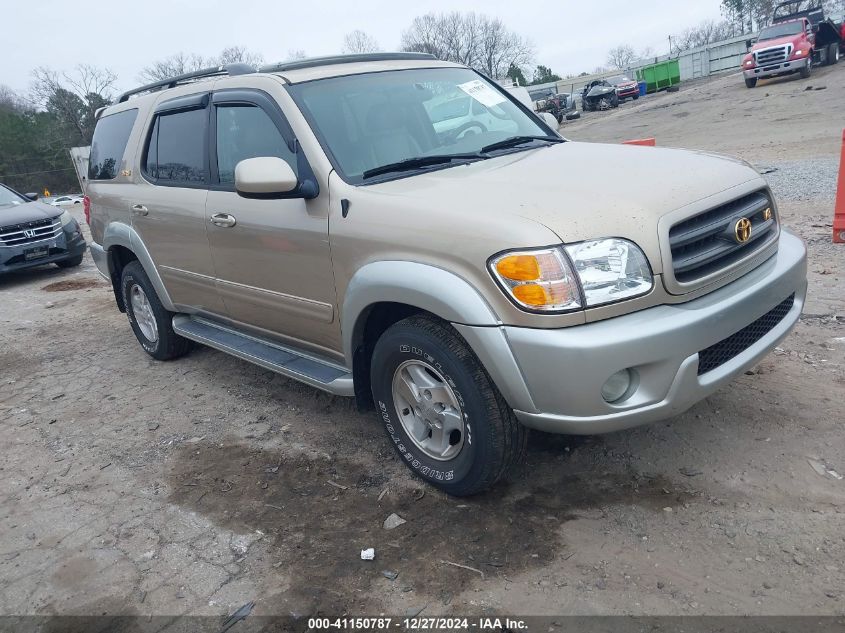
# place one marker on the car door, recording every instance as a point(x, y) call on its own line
point(271, 256)
point(168, 202)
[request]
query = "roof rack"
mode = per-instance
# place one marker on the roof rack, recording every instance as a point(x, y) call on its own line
point(172, 82)
point(313, 62)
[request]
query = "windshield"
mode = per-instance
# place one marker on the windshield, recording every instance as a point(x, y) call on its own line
point(377, 119)
point(781, 30)
point(9, 197)
point(618, 80)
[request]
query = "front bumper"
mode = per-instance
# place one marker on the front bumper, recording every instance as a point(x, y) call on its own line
point(773, 70)
point(628, 92)
point(66, 245)
point(565, 369)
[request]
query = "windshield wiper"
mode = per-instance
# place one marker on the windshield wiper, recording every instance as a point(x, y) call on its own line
point(513, 141)
point(418, 162)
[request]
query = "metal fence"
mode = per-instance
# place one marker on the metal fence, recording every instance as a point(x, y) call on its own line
point(718, 57)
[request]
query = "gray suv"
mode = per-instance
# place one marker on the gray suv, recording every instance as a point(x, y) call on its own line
point(466, 272)
point(33, 233)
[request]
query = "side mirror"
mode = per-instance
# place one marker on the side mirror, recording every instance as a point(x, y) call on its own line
point(264, 177)
point(31, 196)
point(549, 119)
point(749, 44)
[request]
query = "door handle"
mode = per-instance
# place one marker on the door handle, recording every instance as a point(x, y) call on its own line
point(223, 220)
point(140, 209)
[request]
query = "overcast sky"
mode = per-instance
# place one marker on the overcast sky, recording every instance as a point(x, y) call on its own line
point(570, 36)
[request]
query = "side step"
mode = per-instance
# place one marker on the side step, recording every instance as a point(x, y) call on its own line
point(283, 360)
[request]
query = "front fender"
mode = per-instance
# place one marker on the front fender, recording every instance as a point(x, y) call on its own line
point(444, 295)
point(120, 234)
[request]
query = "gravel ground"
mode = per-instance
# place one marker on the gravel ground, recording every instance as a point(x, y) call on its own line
point(136, 487)
point(802, 180)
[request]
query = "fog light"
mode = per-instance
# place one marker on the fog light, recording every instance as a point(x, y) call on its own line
point(616, 386)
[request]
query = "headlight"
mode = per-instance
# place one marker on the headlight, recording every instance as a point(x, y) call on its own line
point(610, 270)
point(544, 280)
point(540, 280)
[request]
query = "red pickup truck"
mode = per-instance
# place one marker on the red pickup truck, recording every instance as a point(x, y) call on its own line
point(798, 38)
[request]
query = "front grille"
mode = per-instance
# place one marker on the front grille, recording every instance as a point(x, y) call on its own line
point(726, 349)
point(774, 55)
point(707, 242)
point(29, 232)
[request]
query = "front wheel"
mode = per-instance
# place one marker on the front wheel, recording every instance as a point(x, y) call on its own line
point(446, 419)
point(833, 54)
point(750, 83)
point(151, 322)
point(806, 70)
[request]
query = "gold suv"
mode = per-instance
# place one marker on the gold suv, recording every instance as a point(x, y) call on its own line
point(403, 231)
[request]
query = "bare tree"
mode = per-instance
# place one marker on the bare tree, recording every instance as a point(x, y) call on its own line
point(295, 54)
point(177, 64)
point(237, 55)
point(359, 42)
point(182, 63)
point(73, 98)
point(705, 33)
point(621, 56)
point(473, 39)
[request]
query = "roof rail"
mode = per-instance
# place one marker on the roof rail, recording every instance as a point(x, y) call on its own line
point(313, 62)
point(213, 71)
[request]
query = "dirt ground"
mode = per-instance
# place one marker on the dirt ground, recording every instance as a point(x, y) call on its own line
point(136, 487)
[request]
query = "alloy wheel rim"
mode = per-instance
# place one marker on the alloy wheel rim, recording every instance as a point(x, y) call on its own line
point(143, 313)
point(429, 410)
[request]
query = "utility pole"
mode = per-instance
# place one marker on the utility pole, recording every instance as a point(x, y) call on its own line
point(670, 46)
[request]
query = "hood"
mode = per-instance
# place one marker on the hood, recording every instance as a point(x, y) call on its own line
point(27, 212)
point(579, 191)
point(600, 90)
point(795, 40)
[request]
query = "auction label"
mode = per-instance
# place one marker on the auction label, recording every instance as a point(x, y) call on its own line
point(482, 93)
point(416, 624)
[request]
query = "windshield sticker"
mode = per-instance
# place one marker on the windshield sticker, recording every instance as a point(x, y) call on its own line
point(482, 93)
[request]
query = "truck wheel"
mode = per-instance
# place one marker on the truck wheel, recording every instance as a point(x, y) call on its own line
point(750, 83)
point(833, 54)
point(806, 71)
point(152, 324)
point(443, 414)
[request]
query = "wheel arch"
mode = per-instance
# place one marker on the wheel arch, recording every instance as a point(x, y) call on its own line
point(122, 245)
point(383, 293)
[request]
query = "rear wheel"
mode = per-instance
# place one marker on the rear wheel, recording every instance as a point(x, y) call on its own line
point(750, 83)
point(833, 54)
point(443, 414)
point(151, 322)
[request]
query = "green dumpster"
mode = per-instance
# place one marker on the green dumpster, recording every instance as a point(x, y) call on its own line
point(660, 76)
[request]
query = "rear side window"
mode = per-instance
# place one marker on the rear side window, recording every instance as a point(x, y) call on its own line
point(176, 151)
point(109, 143)
point(246, 131)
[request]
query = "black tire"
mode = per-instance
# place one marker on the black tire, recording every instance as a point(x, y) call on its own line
point(806, 71)
point(750, 83)
point(493, 440)
point(636, 97)
point(833, 54)
point(168, 345)
point(73, 262)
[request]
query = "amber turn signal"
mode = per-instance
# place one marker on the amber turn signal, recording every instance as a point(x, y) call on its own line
point(519, 267)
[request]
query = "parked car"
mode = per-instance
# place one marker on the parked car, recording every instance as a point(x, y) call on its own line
point(33, 233)
point(560, 106)
point(625, 88)
point(799, 37)
point(599, 95)
point(65, 201)
point(310, 218)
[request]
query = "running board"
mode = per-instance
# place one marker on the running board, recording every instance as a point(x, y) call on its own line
point(283, 360)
